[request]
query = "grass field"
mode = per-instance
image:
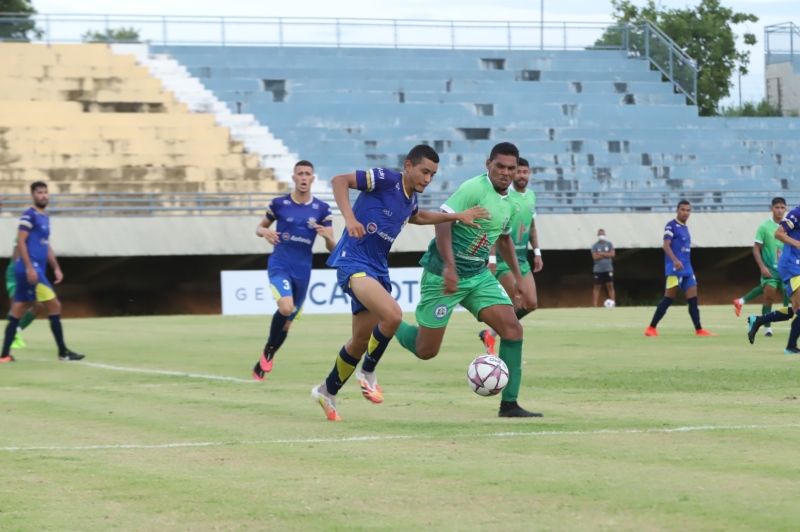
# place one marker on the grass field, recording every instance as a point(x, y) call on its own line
point(161, 428)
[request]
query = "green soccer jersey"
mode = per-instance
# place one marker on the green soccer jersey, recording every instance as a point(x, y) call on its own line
point(471, 245)
point(770, 246)
point(524, 205)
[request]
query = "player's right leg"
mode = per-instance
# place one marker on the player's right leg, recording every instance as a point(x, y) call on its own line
point(46, 296)
point(28, 316)
point(749, 296)
point(14, 315)
point(794, 331)
point(612, 295)
point(670, 291)
point(281, 285)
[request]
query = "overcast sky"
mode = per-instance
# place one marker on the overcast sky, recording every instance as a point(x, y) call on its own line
point(768, 11)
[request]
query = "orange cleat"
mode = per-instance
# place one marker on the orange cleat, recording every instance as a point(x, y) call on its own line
point(737, 307)
point(327, 402)
point(488, 337)
point(372, 393)
point(650, 331)
point(262, 367)
point(7, 358)
point(704, 332)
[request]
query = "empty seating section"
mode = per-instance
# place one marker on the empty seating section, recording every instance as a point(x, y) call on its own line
point(87, 120)
point(587, 120)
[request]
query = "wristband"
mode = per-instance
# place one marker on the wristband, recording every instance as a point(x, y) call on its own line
point(492, 259)
point(537, 252)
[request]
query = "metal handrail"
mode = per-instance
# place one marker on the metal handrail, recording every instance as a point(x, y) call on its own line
point(783, 28)
point(210, 204)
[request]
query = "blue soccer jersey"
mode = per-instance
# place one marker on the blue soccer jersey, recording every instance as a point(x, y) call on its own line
point(37, 225)
point(681, 245)
point(383, 209)
point(789, 262)
point(295, 227)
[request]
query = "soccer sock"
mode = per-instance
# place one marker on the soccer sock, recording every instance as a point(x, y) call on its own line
point(58, 331)
point(407, 336)
point(766, 309)
point(782, 314)
point(752, 294)
point(521, 313)
point(375, 348)
point(277, 334)
point(511, 354)
point(344, 366)
point(661, 309)
point(694, 312)
point(794, 334)
point(26, 319)
point(11, 331)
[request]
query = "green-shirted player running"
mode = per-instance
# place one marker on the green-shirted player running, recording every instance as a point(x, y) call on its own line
point(523, 232)
point(11, 287)
point(766, 251)
point(456, 273)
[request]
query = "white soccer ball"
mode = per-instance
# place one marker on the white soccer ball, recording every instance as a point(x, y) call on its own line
point(487, 375)
point(609, 303)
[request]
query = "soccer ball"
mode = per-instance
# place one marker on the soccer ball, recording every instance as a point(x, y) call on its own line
point(487, 375)
point(609, 303)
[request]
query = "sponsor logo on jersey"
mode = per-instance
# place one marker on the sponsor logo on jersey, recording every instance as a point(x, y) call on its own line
point(380, 173)
point(296, 238)
point(372, 227)
point(312, 222)
point(440, 312)
point(388, 212)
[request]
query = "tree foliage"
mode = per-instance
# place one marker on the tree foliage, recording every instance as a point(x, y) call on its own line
point(762, 108)
point(706, 34)
point(20, 27)
point(112, 35)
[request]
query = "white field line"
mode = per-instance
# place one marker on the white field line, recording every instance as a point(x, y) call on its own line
point(164, 372)
point(388, 437)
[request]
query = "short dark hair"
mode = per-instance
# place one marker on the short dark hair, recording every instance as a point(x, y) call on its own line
point(422, 151)
point(303, 162)
point(37, 184)
point(504, 148)
point(684, 202)
point(523, 162)
point(778, 201)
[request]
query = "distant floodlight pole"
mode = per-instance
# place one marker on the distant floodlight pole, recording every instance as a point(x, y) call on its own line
point(541, 24)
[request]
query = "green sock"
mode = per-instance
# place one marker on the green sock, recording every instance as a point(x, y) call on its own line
point(26, 319)
point(511, 354)
point(406, 336)
point(752, 294)
point(766, 309)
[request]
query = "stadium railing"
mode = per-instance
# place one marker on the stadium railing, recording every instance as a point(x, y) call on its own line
point(781, 42)
point(233, 204)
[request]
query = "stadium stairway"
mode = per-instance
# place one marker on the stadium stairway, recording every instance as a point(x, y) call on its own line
point(90, 121)
point(588, 120)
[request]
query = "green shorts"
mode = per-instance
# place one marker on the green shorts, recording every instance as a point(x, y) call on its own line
point(774, 282)
point(11, 280)
point(503, 268)
point(473, 293)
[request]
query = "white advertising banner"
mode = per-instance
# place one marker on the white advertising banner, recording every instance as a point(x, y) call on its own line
point(248, 292)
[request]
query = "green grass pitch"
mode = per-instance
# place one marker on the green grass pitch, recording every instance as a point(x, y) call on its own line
point(668, 433)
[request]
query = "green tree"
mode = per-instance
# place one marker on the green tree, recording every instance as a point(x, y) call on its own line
point(112, 35)
point(19, 26)
point(704, 32)
point(762, 108)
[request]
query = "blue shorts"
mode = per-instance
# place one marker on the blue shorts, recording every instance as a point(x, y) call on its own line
point(684, 282)
point(791, 284)
point(42, 291)
point(343, 276)
point(289, 283)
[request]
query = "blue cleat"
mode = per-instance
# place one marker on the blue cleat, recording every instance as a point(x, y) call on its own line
point(791, 351)
point(753, 324)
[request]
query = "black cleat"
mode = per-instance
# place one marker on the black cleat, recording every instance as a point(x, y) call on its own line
point(791, 351)
point(753, 324)
point(69, 356)
point(512, 409)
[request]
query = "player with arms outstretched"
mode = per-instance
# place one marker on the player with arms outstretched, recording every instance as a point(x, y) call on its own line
point(387, 201)
point(300, 218)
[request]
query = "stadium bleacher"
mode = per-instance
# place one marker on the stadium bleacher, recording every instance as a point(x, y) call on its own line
point(87, 121)
point(590, 120)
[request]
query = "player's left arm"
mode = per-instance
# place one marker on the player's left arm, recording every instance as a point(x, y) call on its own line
point(538, 264)
point(53, 261)
point(466, 217)
point(505, 246)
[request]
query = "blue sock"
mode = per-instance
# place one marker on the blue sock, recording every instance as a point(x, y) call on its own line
point(661, 309)
point(375, 348)
point(58, 332)
point(344, 366)
point(794, 334)
point(694, 312)
point(11, 331)
point(277, 334)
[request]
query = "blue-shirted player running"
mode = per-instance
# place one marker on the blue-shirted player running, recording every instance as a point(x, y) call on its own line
point(300, 218)
point(387, 201)
point(788, 232)
point(35, 253)
point(678, 270)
